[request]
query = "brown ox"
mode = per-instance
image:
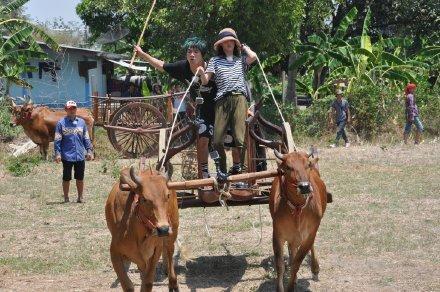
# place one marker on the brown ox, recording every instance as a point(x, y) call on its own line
point(39, 123)
point(298, 199)
point(142, 222)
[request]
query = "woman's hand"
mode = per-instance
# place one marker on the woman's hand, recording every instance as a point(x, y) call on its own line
point(138, 49)
point(200, 71)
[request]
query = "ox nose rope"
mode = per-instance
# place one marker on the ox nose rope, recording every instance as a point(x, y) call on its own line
point(175, 118)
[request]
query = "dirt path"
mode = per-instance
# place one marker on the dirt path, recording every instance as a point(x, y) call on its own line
point(380, 234)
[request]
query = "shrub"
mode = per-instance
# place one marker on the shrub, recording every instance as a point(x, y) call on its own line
point(23, 164)
point(7, 133)
point(376, 110)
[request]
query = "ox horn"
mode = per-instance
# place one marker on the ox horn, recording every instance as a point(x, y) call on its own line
point(134, 177)
point(278, 155)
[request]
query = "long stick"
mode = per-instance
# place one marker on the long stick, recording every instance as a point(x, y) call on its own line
point(143, 31)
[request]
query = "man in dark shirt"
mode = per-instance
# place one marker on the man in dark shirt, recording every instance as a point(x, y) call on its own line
point(184, 71)
point(341, 111)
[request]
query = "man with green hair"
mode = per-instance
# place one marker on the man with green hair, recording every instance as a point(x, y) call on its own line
point(184, 70)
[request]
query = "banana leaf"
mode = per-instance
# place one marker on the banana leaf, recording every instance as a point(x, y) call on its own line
point(367, 23)
point(17, 39)
point(304, 87)
point(301, 61)
point(392, 58)
point(340, 57)
point(365, 52)
point(307, 48)
point(345, 23)
point(13, 6)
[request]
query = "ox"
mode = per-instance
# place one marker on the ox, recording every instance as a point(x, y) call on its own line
point(297, 203)
point(143, 220)
point(39, 123)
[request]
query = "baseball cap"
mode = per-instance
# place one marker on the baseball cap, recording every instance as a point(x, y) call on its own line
point(70, 104)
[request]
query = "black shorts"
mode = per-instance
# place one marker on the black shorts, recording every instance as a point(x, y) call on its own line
point(206, 129)
point(78, 167)
point(229, 139)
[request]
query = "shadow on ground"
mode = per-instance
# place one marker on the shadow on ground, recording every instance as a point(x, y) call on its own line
point(214, 271)
point(302, 285)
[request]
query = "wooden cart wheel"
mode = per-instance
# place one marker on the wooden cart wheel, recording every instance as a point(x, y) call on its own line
point(136, 115)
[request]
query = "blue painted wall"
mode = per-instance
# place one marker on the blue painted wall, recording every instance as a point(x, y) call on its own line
point(67, 84)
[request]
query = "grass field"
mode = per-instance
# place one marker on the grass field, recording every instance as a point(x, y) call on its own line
point(381, 233)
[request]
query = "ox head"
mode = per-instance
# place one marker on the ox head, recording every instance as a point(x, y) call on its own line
point(296, 167)
point(154, 197)
point(21, 113)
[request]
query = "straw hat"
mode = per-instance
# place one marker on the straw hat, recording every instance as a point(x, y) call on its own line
point(227, 34)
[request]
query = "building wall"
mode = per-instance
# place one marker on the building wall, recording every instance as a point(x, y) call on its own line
point(67, 83)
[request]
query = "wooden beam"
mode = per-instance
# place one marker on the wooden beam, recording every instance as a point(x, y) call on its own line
point(197, 183)
point(289, 138)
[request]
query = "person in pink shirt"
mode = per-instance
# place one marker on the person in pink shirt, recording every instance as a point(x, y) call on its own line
point(412, 115)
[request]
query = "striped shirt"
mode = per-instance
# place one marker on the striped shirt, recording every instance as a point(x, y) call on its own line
point(228, 75)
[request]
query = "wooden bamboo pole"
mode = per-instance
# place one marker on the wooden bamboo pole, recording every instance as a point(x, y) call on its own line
point(197, 183)
point(143, 31)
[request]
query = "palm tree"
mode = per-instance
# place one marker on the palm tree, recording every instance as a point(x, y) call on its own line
point(18, 44)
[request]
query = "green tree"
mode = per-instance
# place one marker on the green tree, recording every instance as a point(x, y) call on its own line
point(269, 27)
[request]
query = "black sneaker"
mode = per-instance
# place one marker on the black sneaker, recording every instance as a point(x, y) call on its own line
point(240, 185)
point(236, 169)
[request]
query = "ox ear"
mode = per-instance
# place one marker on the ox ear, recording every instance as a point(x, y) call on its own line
point(313, 162)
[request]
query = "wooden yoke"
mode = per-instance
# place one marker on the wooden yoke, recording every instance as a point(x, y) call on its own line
point(197, 183)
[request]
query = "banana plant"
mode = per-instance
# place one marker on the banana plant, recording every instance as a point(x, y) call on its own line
point(324, 51)
point(18, 44)
point(357, 59)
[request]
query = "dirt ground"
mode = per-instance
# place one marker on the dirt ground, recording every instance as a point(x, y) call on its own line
point(381, 233)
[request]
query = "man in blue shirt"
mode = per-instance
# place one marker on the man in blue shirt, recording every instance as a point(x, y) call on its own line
point(71, 143)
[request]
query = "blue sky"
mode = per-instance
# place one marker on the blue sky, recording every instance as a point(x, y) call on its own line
point(49, 9)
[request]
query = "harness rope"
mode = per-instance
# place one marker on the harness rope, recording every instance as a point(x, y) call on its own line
point(208, 232)
point(273, 97)
point(260, 236)
point(175, 118)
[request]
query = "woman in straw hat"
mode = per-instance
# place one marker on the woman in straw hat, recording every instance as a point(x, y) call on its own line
point(228, 69)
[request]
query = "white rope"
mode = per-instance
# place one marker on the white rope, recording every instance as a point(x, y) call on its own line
point(175, 118)
point(260, 236)
point(270, 90)
point(206, 226)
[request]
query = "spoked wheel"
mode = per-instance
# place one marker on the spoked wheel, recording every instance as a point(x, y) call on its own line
point(133, 116)
point(181, 123)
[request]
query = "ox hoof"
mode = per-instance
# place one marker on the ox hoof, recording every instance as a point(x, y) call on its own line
point(315, 277)
point(173, 289)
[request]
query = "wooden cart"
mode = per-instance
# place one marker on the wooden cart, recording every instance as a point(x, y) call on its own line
point(132, 123)
point(139, 127)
